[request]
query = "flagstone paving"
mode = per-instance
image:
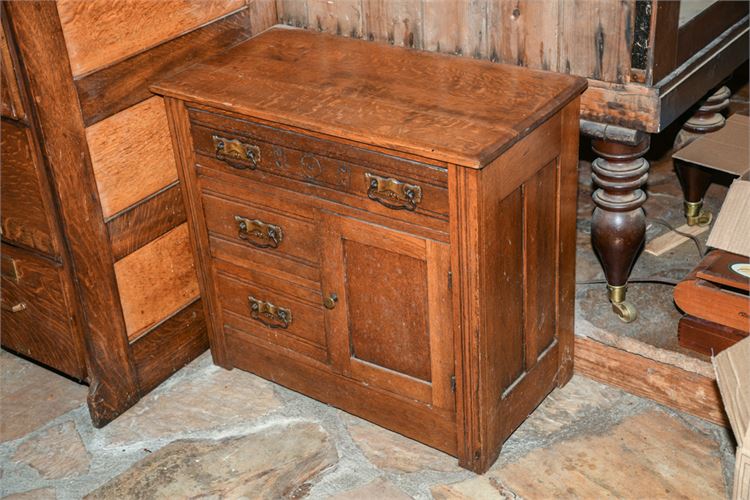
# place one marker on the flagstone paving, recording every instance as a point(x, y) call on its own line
point(214, 433)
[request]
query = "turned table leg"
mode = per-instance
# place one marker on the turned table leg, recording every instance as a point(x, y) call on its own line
point(618, 228)
point(694, 179)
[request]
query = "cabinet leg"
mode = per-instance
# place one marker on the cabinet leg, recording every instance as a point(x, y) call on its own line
point(618, 228)
point(693, 179)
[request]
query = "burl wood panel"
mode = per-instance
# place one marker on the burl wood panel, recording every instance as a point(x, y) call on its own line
point(388, 328)
point(98, 33)
point(40, 327)
point(24, 216)
point(156, 280)
point(339, 73)
point(132, 156)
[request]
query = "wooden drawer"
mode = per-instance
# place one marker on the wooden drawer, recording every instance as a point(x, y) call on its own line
point(272, 310)
point(23, 215)
point(35, 316)
point(373, 181)
point(261, 229)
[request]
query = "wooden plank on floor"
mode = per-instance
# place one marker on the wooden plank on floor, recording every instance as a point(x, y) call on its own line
point(664, 383)
point(667, 241)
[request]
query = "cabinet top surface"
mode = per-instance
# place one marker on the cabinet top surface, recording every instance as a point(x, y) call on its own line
point(443, 108)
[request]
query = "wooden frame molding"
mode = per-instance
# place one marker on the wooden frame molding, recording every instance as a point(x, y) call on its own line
point(114, 385)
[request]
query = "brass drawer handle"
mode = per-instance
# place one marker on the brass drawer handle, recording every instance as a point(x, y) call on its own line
point(258, 233)
point(393, 193)
point(270, 315)
point(230, 150)
point(21, 306)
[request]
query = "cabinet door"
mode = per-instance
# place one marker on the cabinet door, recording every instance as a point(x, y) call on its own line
point(388, 306)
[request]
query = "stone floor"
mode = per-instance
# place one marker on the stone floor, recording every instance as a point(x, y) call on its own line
point(211, 433)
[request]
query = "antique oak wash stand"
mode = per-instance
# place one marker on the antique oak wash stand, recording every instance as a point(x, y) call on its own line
point(387, 231)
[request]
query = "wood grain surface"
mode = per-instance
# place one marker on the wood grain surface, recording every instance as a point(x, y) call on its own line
point(97, 34)
point(132, 155)
point(259, 78)
point(116, 87)
point(156, 280)
point(11, 96)
point(42, 329)
point(664, 383)
point(113, 384)
point(146, 221)
point(25, 217)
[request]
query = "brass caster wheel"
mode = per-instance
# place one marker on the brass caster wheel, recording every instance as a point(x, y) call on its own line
point(702, 219)
point(625, 311)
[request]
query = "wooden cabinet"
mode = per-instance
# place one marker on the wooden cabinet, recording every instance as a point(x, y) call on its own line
point(404, 255)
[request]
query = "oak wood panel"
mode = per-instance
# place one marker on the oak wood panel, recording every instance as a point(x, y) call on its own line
point(156, 280)
point(540, 241)
point(117, 87)
point(25, 217)
point(169, 346)
point(447, 123)
point(113, 384)
point(11, 95)
point(179, 126)
point(292, 12)
point(455, 27)
point(146, 221)
point(594, 37)
point(97, 34)
point(132, 156)
point(41, 326)
point(661, 382)
point(524, 32)
point(567, 193)
point(381, 407)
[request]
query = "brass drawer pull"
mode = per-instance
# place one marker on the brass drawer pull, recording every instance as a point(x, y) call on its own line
point(15, 308)
point(230, 150)
point(393, 193)
point(259, 233)
point(270, 315)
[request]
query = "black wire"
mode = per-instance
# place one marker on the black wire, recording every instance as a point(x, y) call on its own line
point(697, 242)
point(653, 280)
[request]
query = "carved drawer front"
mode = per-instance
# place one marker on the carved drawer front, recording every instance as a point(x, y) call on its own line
point(372, 181)
point(22, 212)
point(269, 232)
point(35, 317)
point(272, 310)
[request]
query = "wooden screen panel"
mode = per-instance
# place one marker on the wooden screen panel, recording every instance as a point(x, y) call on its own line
point(343, 17)
point(132, 156)
point(456, 27)
point(387, 294)
point(156, 281)
point(23, 216)
point(101, 32)
point(398, 22)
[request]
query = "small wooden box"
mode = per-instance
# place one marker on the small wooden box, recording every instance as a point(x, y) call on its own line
point(388, 231)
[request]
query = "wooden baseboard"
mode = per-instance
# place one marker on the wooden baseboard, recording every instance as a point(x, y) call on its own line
point(664, 383)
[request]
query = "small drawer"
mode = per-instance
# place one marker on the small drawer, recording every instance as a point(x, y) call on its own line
point(273, 310)
point(259, 228)
point(390, 185)
point(23, 217)
point(35, 317)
